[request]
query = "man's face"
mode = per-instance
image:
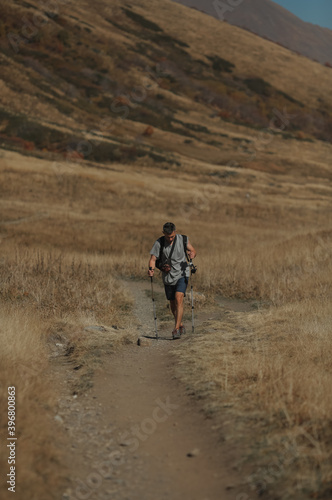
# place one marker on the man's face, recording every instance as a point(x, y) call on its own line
point(169, 237)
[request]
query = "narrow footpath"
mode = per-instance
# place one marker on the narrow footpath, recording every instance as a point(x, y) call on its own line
point(138, 435)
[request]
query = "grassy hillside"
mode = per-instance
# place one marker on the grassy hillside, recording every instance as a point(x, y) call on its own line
point(273, 22)
point(114, 120)
point(83, 69)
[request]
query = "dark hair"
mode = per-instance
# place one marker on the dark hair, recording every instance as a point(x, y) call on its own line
point(169, 228)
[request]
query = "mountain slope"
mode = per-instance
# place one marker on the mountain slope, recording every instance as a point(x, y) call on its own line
point(270, 20)
point(120, 83)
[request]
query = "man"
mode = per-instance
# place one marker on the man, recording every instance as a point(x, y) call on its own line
point(175, 270)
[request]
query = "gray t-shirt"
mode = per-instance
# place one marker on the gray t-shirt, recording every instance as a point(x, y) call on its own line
point(179, 264)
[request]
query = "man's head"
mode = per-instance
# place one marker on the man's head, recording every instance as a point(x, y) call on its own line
point(169, 231)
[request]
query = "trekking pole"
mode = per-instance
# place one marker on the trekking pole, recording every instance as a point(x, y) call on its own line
point(192, 297)
point(154, 308)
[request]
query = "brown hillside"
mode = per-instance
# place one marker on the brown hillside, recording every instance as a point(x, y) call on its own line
point(93, 74)
point(269, 20)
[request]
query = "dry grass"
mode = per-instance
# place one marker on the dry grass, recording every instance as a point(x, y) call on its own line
point(68, 234)
point(272, 369)
point(48, 302)
point(24, 365)
point(280, 270)
point(58, 285)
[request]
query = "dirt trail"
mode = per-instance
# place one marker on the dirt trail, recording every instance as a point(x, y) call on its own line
point(138, 435)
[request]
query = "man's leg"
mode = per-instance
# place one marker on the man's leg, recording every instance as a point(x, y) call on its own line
point(179, 309)
point(173, 308)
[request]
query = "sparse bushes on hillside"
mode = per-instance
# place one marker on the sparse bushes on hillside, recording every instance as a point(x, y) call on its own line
point(259, 86)
point(106, 152)
point(18, 130)
point(141, 20)
point(221, 65)
point(167, 40)
point(22, 127)
point(195, 127)
point(63, 36)
point(289, 98)
point(83, 68)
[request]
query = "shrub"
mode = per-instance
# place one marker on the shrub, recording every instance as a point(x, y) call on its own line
point(63, 37)
point(221, 65)
point(194, 127)
point(106, 152)
point(137, 18)
point(161, 158)
point(259, 86)
point(167, 39)
point(289, 98)
point(30, 131)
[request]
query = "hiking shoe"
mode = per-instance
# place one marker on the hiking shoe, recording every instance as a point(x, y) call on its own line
point(176, 334)
point(182, 330)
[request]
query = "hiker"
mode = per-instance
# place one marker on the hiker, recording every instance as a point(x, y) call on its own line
point(172, 250)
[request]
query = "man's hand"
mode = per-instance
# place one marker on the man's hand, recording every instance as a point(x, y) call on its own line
point(152, 265)
point(191, 254)
point(191, 251)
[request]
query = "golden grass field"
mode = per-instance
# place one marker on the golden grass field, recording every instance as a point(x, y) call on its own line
point(68, 237)
point(255, 202)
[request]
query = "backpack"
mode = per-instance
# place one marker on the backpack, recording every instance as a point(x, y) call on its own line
point(160, 261)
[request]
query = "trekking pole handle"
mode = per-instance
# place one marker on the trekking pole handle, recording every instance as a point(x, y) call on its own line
point(192, 267)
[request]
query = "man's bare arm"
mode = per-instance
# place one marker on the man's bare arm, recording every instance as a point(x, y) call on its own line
point(152, 263)
point(191, 251)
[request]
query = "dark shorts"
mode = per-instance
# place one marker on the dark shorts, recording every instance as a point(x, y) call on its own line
point(180, 286)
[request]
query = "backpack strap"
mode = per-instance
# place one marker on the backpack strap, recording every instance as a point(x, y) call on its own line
point(162, 244)
point(172, 250)
point(185, 244)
